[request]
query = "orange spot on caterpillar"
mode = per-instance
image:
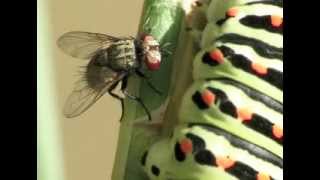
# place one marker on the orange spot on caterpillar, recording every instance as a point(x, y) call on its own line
point(186, 146)
point(208, 97)
point(263, 176)
point(217, 56)
point(260, 69)
point(277, 131)
point(244, 114)
point(225, 162)
point(232, 12)
point(276, 21)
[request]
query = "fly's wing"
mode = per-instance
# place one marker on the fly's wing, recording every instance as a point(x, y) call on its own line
point(83, 96)
point(84, 45)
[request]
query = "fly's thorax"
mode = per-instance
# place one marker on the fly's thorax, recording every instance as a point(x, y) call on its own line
point(122, 55)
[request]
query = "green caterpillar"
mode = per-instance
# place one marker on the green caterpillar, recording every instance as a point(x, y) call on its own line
point(231, 118)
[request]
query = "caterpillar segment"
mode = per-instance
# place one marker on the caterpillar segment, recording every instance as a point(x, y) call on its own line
point(206, 152)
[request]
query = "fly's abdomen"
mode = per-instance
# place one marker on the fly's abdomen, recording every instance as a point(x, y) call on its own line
point(122, 55)
point(96, 75)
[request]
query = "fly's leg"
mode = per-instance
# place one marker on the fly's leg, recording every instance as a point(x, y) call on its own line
point(110, 91)
point(140, 102)
point(164, 50)
point(139, 73)
point(126, 93)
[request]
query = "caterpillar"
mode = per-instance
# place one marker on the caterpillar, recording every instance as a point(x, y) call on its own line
point(231, 117)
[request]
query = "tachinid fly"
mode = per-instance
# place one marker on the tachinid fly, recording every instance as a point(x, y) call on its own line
point(111, 60)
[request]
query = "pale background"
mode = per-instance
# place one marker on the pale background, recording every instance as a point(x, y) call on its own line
point(82, 148)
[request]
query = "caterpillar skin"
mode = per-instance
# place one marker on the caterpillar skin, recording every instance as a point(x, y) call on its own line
point(231, 118)
point(250, 54)
point(237, 109)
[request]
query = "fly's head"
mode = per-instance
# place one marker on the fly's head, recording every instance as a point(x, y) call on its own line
point(151, 51)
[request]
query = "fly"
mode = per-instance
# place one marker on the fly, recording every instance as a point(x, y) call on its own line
point(111, 60)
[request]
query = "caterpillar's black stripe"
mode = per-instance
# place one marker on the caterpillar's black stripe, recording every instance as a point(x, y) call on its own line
point(225, 105)
point(239, 169)
point(260, 22)
point(261, 48)
point(197, 142)
point(236, 141)
point(221, 21)
point(268, 101)
point(197, 99)
point(278, 3)
point(243, 171)
point(155, 170)
point(252, 93)
point(178, 154)
point(229, 108)
point(273, 76)
point(144, 158)
point(205, 157)
point(207, 60)
point(267, 2)
point(262, 125)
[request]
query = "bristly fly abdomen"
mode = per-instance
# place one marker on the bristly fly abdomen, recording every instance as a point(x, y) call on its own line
point(111, 60)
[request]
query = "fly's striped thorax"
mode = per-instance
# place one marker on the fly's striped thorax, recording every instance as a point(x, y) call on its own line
point(122, 55)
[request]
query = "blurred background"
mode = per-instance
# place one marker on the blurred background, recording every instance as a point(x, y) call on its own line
point(82, 148)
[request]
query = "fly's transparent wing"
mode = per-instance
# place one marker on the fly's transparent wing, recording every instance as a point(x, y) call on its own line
point(83, 45)
point(83, 96)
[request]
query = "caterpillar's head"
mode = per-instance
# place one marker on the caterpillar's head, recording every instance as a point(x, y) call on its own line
point(156, 160)
point(151, 52)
